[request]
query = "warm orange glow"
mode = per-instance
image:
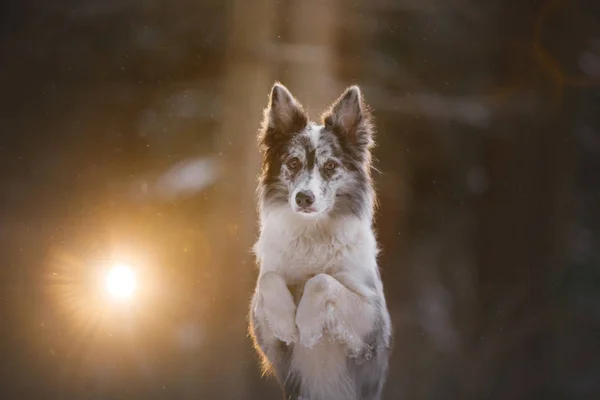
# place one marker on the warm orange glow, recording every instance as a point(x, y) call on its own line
point(121, 282)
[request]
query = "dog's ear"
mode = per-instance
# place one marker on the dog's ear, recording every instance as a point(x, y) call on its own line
point(350, 118)
point(284, 115)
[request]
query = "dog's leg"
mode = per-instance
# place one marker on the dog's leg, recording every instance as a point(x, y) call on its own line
point(352, 312)
point(275, 307)
point(328, 305)
point(273, 330)
point(369, 370)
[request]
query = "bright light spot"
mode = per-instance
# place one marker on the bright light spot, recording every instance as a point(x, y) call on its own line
point(120, 282)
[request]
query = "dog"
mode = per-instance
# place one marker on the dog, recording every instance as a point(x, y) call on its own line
point(318, 316)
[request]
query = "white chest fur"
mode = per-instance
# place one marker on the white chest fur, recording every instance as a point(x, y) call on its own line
point(297, 247)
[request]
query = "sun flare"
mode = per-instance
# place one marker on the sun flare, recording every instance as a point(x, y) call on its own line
point(120, 282)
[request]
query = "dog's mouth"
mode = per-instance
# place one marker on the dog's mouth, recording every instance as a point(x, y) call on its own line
point(307, 211)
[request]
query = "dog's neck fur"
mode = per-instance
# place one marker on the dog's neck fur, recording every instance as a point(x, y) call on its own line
point(287, 226)
point(299, 247)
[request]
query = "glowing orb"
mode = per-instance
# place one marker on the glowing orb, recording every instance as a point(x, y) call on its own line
point(120, 282)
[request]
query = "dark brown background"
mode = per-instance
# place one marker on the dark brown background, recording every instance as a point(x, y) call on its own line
point(489, 160)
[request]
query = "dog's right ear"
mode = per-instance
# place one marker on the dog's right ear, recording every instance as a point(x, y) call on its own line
point(284, 116)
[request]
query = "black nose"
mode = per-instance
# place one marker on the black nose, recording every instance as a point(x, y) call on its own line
point(305, 199)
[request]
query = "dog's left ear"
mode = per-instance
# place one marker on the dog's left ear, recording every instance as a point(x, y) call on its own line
point(349, 117)
point(284, 114)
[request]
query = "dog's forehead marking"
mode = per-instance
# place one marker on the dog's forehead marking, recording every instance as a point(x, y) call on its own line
point(314, 145)
point(297, 146)
point(328, 145)
point(314, 133)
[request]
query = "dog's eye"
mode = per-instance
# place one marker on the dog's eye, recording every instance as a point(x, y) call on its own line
point(330, 166)
point(293, 164)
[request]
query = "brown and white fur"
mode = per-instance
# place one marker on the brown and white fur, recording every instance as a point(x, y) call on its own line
point(318, 316)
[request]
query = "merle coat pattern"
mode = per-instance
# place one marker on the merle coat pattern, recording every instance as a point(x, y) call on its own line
point(318, 316)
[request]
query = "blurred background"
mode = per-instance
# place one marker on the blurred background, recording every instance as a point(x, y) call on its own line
point(128, 135)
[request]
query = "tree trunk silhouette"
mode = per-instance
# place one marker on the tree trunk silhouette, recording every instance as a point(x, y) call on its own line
point(246, 85)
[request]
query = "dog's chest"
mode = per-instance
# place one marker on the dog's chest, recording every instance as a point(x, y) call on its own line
point(303, 256)
point(299, 255)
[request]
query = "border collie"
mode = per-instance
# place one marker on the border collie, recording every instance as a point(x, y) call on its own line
point(318, 315)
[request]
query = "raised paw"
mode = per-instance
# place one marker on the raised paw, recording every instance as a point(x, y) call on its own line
point(312, 319)
point(282, 326)
point(279, 315)
point(276, 306)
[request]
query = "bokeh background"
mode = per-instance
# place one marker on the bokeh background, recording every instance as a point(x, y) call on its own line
point(128, 132)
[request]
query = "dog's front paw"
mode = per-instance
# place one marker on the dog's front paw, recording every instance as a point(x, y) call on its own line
point(277, 308)
point(284, 329)
point(312, 318)
point(279, 316)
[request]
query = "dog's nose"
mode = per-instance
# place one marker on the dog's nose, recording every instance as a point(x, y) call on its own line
point(305, 199)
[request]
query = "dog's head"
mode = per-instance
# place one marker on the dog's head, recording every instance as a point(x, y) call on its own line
point(318, 170)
